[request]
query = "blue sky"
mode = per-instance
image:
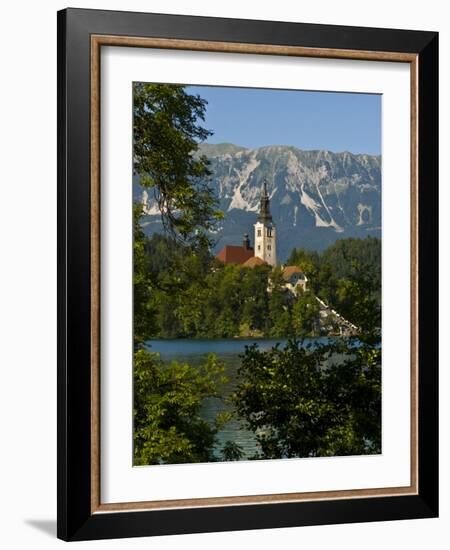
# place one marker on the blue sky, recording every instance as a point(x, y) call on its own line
point(253, 117)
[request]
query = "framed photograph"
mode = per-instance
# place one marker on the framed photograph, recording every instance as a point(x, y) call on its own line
point(247, 274)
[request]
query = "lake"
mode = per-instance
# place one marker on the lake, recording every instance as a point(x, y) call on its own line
point(195, 352)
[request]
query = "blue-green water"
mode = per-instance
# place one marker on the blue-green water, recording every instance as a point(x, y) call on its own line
point(184, 349)
point(195, 352)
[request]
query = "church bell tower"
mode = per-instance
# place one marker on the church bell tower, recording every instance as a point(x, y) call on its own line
point(265, 231)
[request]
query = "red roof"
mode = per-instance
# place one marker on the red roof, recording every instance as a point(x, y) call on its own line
point(231, 254)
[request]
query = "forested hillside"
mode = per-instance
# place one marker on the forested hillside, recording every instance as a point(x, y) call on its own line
point(196, 296)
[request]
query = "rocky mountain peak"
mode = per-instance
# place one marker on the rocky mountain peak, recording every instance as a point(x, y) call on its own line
point(315, 196)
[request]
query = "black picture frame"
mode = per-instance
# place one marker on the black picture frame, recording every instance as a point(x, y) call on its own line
point(75, 518)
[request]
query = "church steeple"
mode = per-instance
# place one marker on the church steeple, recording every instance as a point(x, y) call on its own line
point(264, 205)
point(265, 231)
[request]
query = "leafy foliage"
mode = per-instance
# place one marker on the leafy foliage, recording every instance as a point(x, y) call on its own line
point(232, 451)
point(304, 401)
point(166, 136)
point(322, 399)
point(347, 275)
point(167, 398)
point(144, 314)
point(168, 427)
point(194, 296)
point(305, 315)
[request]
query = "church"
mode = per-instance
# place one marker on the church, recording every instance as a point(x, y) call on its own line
point(265, 249)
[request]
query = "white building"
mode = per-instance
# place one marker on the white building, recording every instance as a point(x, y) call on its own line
point(294, 279)
point(265, 231)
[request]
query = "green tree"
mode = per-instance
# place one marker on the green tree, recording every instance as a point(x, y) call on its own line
point(232, 451)
point(351, 260)
point(145, 324)
point(168, 270)
point(303, 401)
point(279, 313)
point(345, 254)
point(255, 297)
point(356, 300)
point(166, 137)
point(168, 427)
point(229, 295)
point(322, 399)
point(305, 314)
point(308, 261)
point(347, 276)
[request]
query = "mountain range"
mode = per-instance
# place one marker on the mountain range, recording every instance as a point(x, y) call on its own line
point(316, 197)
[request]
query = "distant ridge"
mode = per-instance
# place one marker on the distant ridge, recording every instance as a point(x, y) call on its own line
point(316, 196)
point(218, 149)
